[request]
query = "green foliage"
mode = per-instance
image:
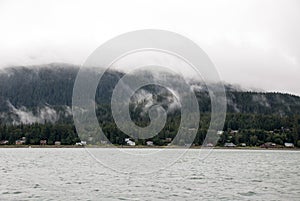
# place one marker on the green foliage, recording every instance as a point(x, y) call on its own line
point(36, 132)
point(251, 130)
point(258, 117)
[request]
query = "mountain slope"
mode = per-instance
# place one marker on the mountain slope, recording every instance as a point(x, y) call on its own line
point(48, 89)
point(43, 95)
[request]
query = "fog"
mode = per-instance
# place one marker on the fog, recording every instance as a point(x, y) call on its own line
point(253, 43)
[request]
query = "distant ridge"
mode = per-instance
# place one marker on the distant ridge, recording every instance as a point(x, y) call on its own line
point(32, 88)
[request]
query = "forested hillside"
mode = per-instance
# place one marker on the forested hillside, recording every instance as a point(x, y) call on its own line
point(35, 102)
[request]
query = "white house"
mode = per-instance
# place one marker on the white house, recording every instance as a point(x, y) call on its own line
point(149, 143)
point(130, 143)
point(229, 145)
point(81, 143)
point(208, 145)
point(4, 142)
point(289, 145)
point(243, 144)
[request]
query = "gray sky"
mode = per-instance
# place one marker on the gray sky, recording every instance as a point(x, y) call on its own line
point(254, 43)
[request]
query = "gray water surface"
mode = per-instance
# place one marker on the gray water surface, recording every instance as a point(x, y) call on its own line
point(72, 174)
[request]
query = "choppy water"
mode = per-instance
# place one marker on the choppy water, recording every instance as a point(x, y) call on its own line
point(72, 174)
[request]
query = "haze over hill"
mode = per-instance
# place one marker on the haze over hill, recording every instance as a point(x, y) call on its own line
point(38, 93)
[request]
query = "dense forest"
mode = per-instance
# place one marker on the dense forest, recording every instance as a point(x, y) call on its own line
point(258, 130)
point(35, 104)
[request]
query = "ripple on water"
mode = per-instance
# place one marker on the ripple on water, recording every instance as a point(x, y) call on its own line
point(218, 179)
point(196, 178)
point(256, 180)
point(249, 193)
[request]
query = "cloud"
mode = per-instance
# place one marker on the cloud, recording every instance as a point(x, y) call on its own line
point(253, 42)
point(26, 116)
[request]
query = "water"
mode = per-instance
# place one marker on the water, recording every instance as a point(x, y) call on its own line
point(72, 174)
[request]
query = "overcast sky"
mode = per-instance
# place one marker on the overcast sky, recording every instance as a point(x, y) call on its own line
point(253, 43)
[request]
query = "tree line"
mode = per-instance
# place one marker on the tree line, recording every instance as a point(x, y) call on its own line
point(251, 129)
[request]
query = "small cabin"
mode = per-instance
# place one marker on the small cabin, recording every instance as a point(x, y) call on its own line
point(229, 145)
point(20, 142)
point(130, 143)
point(149, 143)
point(268, 145)
point(168, 139)
point(3, 142)
point(209, 145)
point(289, 145)
point(43, 142)
point(243, 144)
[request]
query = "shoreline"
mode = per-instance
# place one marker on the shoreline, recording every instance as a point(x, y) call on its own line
point(144, 147)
